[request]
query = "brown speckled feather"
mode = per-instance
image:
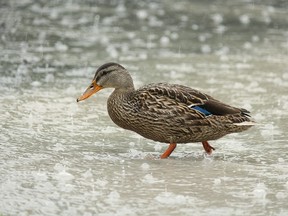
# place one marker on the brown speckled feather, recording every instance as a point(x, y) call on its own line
point(162, 112)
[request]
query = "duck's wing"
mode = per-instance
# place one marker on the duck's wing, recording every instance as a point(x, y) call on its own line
point(163, 97)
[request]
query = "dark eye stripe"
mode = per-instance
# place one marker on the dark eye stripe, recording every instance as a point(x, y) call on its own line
point(106, 72)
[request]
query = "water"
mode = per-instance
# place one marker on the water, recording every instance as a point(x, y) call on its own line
point(63, 158)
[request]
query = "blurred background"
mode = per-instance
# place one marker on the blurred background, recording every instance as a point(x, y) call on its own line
point(63, 158)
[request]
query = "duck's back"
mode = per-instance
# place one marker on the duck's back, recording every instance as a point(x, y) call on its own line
point(175, 113)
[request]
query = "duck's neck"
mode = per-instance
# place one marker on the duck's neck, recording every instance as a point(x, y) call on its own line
point(125, 85)
point(121, 93)
point(124, 82)
point(119, 106)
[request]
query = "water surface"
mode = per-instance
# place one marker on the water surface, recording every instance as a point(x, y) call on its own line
point(63, 158)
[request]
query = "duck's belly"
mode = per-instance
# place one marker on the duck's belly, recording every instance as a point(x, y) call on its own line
point(177, 135)
point(171, 134)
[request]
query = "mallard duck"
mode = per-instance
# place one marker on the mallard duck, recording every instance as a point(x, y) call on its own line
point(167, 113)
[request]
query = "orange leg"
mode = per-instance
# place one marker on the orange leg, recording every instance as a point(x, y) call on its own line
point(168, 151)
point(207, 147)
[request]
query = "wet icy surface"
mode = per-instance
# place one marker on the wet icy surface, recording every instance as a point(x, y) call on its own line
point(58, 157)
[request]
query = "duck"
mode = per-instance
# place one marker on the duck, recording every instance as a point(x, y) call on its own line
point(167, 113)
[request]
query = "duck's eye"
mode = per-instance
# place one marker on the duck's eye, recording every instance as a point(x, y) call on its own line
point(91, 86)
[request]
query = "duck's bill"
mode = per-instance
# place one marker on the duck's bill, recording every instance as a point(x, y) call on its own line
point(92, 89)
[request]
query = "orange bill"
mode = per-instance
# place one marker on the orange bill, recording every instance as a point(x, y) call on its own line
point(92, 89)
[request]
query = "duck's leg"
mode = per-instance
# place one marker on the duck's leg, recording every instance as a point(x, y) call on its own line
point(207, 147)
point(169, 150)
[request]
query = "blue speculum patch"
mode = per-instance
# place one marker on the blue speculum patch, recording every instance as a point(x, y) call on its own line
point(202, 110)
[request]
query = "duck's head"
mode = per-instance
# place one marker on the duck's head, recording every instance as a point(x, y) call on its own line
point(109, 75)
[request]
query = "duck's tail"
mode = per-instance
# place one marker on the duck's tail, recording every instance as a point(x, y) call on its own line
point(243, 121)
point(246, 123)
